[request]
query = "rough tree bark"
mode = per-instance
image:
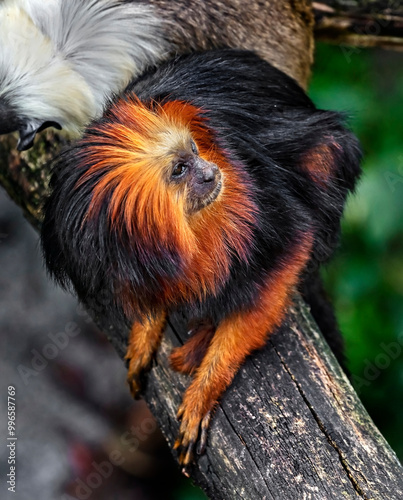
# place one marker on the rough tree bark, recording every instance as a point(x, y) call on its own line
point(290, 426)
point(360, 23)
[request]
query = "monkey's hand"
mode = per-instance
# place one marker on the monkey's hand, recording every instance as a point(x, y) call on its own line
point(195, 420)
point(135, 375)
point(144, 341)
point(236, 337)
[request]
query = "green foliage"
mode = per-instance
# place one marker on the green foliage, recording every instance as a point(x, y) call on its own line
point(189, 492)
point(366, 277)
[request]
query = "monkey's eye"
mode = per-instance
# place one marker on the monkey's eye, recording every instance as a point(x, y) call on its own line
point(179, 170)
point(194, 147)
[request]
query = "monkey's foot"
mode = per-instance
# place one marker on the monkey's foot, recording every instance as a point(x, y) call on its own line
point(135, 375)
point(187, 359)
point(193, 429)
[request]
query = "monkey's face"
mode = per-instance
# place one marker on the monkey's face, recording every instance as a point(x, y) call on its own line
point(150, 190)
point(157, 166)
point(195, 178)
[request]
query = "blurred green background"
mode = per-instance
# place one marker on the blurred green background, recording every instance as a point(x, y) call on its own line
point(365, 279)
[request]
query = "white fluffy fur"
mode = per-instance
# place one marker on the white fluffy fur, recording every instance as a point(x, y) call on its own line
point(61, 60)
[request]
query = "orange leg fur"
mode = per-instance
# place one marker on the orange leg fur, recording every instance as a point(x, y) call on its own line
point(235, 338)
point(144, 341)
point(187, 359)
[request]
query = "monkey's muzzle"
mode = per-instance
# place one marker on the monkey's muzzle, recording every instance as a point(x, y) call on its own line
point(207, 187)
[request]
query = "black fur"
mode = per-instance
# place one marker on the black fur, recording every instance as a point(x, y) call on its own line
point(263, 119)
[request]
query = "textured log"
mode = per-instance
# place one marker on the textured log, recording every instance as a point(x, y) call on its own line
point(290, 426)
point(25, 176)
point(360, 23)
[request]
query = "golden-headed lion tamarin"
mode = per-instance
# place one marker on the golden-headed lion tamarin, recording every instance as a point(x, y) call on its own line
point(212, 186)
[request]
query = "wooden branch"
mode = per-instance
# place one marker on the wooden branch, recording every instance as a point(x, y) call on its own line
point(290, 426)
point(25, 176)
point(359, 23)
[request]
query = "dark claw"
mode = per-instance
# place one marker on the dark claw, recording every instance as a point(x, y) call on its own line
point(137, 377)
point(29, 129)
point(201, 447)
point(135, 384)
point(179, 413)
point(185, 472)
point(189, 453)
point(186, 454)
point(178, 441)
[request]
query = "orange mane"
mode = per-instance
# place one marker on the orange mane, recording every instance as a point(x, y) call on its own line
point(133, 149)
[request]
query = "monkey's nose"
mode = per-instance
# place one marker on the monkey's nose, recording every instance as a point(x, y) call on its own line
point(210, 173)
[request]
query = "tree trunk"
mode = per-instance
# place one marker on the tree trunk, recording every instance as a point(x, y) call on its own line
point(290, 426)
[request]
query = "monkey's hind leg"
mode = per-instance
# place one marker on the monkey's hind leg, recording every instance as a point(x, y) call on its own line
point(144, 340)
point(187, 359)
point(235, 338)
